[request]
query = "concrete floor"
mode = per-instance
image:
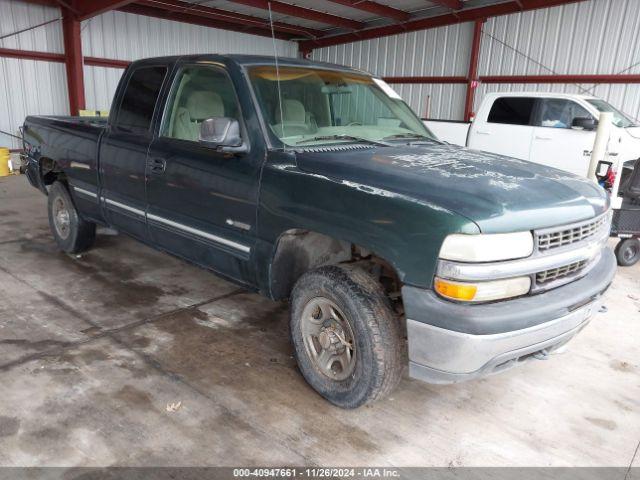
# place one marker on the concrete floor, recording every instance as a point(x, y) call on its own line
point(94, 348)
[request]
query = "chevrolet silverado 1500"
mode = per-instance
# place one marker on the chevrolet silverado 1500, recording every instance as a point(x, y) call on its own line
point(316, 183)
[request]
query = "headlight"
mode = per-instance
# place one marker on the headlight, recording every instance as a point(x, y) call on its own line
point(483, 291)
point(487, 248)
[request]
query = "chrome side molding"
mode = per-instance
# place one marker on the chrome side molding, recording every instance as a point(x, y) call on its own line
point(179, 226)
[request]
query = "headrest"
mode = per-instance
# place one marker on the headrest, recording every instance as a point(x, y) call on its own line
point(204, 104)
point(293, 112)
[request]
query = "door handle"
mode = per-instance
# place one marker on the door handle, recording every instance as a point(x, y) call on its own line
point(541, 137)
point(483, 132)
point(158, 165)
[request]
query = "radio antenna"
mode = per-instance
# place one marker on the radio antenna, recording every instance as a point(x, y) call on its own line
point(275, 56)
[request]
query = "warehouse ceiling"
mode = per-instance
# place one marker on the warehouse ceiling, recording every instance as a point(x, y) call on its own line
point(314, 23)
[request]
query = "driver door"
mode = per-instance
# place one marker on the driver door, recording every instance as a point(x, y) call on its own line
point(201, 201)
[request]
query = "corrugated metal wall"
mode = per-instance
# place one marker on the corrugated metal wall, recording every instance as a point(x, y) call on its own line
point(437, 52)
point(29, 87)
point(592, 37)
point(124, 36)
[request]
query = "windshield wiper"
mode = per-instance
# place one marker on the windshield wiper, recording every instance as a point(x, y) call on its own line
point(342, 137)
point(415, 136)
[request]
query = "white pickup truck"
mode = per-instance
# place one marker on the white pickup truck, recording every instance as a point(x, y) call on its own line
point(551, 129)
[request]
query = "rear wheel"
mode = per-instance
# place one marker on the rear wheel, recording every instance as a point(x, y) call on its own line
point(346, 338)
point(628, 252)
point(72, 233)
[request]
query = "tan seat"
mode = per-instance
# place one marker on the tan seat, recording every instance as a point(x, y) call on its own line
point(200, 105)
point(293, 119)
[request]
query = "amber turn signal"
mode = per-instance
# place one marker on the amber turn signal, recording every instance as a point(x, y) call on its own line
point(455, 291)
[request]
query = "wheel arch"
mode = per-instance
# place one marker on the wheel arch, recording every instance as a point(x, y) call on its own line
point(297, 251)
point(51, 171)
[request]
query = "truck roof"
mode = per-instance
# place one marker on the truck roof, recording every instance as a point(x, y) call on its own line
point(246, 60)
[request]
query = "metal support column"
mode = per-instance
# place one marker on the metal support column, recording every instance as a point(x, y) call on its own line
point(73, 61)
point(472, 78)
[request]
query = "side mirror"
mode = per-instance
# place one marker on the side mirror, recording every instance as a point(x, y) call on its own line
point(602, 169)
point(584, 123)
point(222, 133)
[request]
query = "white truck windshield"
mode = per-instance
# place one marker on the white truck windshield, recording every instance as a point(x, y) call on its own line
point(619, 118)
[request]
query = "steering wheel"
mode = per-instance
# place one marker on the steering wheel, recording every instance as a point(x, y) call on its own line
point(354, 124)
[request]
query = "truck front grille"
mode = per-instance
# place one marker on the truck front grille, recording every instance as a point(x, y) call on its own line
point(553, 274)
point(550, 239)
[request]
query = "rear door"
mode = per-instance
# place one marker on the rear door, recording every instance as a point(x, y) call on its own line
point(202, 201)
point(555, 143)
point(123, 150)
point(507, 129)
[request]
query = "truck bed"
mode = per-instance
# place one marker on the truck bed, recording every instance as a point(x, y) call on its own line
point(72, 141)
point(67, 119)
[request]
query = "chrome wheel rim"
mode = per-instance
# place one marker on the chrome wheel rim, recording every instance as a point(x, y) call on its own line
point(61, 217)
point(328, 338)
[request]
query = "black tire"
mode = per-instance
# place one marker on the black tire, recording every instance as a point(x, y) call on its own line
point(378, 341)
point(71, 232)
point(628, 252)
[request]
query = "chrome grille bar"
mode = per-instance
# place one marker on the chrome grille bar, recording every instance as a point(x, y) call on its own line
point(549, 239)
point(559, 272)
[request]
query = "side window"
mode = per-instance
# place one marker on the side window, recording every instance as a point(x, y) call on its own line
point(198, 93)
point(512, 110)
point(560, 113)
point(140, 96)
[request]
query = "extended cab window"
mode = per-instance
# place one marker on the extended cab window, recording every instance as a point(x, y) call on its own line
point(512, 110)
point(140, 96)
point(560, 113)
point(199, 93)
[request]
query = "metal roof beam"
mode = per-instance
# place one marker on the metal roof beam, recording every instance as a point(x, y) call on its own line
point(301, 12)
point(90, 9)
point(232, 17)
point(202, 21)
point(375, 8)
point(465, 15)
point(240, 23)
point(44, 3)
point(452, 4)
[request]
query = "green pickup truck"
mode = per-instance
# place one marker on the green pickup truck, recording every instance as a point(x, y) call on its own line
point(316, 183)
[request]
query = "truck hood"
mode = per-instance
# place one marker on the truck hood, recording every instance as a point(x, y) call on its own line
point(498, 193)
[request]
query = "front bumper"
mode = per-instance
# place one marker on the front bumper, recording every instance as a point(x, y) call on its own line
point(451, 342)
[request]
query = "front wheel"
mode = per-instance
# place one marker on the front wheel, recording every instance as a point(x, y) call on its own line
point(347, 341)
point(71, 232)
point(628, 252)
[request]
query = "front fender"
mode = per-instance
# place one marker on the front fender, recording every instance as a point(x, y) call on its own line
point(404, 231)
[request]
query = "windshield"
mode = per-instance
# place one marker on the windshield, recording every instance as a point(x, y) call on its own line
point(619, 118)
point(318, 107)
